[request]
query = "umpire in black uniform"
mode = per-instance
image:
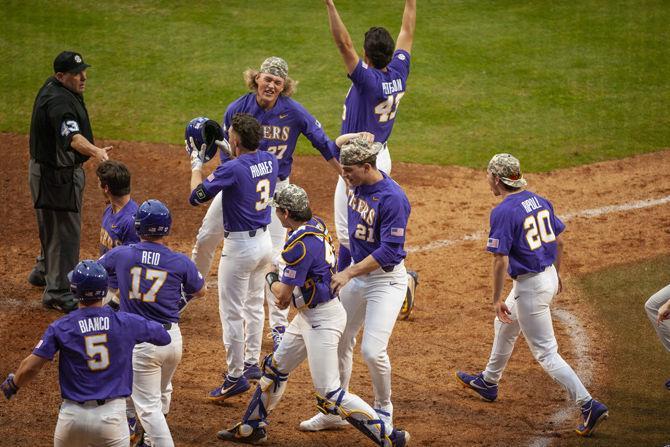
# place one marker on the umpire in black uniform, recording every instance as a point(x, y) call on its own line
point(61, 140)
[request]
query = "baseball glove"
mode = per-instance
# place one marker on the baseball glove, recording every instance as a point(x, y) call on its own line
point(408, 304)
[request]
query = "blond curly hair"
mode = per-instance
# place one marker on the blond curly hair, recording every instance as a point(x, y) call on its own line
point(250, 74)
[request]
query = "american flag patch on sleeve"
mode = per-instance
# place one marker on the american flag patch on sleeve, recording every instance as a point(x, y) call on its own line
point(492, 243)
point(289, 273)
point(210, 177)
point(398, 232)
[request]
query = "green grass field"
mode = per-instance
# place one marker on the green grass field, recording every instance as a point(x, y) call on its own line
point(556, 83)
point(637, 363)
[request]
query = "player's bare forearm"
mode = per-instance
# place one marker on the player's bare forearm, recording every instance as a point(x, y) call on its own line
point(663, 313)
point(28, 369)
point(335, 165)
point(406, 35)
point(283, 293)
point(81, 144)
point(341, 37)
point(196, 178)
point(345, 138)
point(499, 270)
point(341, 279)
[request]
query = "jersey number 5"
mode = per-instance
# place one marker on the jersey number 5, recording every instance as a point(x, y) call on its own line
point(157, 277)
point(95, 347)
point(387, 109)
point(538, 229)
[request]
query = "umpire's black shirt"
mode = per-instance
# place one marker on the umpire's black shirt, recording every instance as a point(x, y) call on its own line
point(58, 115)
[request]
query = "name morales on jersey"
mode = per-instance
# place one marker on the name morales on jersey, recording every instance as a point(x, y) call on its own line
point(260, 169)
point(94, 324)
point(392, 87)
point(276, 132)
point(151, 257)
point(531, 204)
point(361, 207)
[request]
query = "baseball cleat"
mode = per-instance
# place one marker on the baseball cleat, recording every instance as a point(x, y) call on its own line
point(667, 385)
point(408, 304)
point(322, 421)
point(277, 334)
point(36, 278)
point(230, 387)
point(66, 304)
point(244, 434)
point(252, 371)
point(487, 391)
point(593, 413)
point(136, 432)
point(399, 438)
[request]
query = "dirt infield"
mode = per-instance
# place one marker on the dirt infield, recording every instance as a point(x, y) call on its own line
point(450, 328)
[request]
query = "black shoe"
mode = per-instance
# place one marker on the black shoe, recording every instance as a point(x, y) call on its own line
point(36, 278)
point(244, 434)
point(65, 303)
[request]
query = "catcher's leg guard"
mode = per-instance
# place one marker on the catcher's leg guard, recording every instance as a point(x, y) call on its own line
point(267, 395)
point(358, 413)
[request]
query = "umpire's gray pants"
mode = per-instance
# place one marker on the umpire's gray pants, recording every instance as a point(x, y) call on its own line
point(651, 307)
point(60, 233)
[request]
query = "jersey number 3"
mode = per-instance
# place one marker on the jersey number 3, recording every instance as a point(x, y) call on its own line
point(538, 229)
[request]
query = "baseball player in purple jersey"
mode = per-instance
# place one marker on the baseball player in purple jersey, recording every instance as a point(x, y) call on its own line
point(95, 363)
point(150, 279)
point(378, 83)
point(657, 308)
point(373, 288)
point(306, 265)
point(118, 219)
point(245, 184)
point(525, 242)
point(282, 120)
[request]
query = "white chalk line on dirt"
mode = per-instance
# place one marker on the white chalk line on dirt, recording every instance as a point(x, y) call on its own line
point(588, 214)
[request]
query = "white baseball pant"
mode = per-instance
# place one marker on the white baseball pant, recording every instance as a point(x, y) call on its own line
point(372, 301)
point(242, 269)
point(90, 424)
point(529, 303)
point(210, 236)
point(340, 200)
point(651, 307)
point(153, 368)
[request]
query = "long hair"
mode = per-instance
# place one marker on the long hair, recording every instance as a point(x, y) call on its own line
point(290, 85)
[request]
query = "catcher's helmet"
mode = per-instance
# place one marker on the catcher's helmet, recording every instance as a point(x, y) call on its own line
point(203, 130)
point(88, 281)
point(153, 218)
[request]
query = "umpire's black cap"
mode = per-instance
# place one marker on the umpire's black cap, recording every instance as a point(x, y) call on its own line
point(69, 61)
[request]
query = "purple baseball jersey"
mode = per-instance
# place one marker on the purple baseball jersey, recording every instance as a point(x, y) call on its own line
point(377, 216)
point(282, 125)
point(372, 101)
point(524, 227)
point(247, 184)
point(150, 279)
point(310, 263)
point(118, 228)
point(96, 349)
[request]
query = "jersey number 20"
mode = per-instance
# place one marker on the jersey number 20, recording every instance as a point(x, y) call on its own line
point(538, 229)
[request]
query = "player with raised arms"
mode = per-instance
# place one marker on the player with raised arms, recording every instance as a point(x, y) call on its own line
point(378, 83)
point(526, 244)
point(307, 264)
point(95, 363)
point(372, 289)
point(154, 282)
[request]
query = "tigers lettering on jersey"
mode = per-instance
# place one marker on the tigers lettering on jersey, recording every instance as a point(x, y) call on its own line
point(276, 132)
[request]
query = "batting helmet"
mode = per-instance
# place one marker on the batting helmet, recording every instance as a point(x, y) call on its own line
point(153, 218)
point(203, 131)
point(88, 281)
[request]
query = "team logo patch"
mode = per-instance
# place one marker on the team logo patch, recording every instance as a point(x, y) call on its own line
point(289, 273)
point(399, 232)
point(77, 59)
point(401, 57)
point(492, 243)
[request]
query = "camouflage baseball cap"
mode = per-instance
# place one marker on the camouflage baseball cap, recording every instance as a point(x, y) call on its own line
point(292, 198)
point(508, 169)
point(358, 150)
point(275, 66)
